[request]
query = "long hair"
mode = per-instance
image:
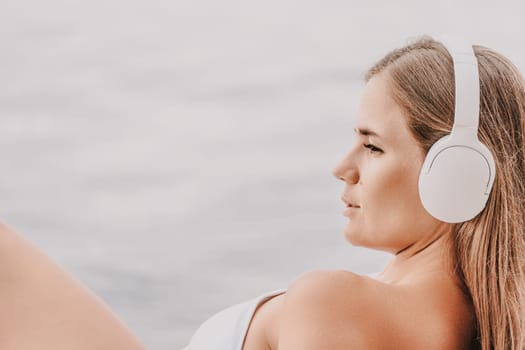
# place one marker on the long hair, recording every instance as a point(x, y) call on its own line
point(489, 250)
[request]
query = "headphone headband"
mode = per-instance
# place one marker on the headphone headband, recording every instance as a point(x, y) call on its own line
point(466, 75)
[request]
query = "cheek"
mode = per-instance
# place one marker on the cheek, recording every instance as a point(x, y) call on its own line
point(392, 194)
point(391, 181)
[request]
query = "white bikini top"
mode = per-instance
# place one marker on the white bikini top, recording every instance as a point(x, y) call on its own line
point(227, 329)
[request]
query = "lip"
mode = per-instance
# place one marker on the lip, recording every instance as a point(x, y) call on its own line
point(349, 203)
point(349, 210)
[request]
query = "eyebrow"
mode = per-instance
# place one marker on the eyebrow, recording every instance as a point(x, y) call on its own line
point(366, 132)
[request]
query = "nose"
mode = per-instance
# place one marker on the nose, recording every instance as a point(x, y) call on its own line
point(346, 171)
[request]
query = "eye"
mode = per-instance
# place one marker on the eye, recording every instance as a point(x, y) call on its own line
point(372, 148)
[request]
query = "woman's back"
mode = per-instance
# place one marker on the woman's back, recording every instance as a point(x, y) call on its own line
point(341, 310)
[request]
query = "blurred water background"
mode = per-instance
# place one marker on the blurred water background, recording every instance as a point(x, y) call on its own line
point(176, 156)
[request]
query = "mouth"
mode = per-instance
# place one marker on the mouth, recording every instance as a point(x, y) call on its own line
point(349, 204)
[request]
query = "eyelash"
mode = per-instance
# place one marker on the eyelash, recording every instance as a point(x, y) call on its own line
point(372, 148)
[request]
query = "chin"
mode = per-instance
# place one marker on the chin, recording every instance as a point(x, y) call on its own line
point(356, 238)
point(359, 239)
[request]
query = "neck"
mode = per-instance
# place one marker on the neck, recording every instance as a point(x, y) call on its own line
point(421, 258)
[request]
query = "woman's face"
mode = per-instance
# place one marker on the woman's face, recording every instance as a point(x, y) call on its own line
point(381, 174)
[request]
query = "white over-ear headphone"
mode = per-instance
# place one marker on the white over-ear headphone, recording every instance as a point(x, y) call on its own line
point(458, 172)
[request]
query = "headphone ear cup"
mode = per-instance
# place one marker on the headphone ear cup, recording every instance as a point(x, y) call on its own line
point(454, 182)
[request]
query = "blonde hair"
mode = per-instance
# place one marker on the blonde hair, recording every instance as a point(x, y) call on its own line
point(489, 250)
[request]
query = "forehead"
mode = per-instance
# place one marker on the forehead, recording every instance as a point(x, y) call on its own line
point(379, 113)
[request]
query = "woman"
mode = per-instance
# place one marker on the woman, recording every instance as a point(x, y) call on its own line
point(455, 284)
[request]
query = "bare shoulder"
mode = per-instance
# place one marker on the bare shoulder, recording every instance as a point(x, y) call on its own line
point(331, 309)
point(317, 281)
point(333, 286)
point(342, 310)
